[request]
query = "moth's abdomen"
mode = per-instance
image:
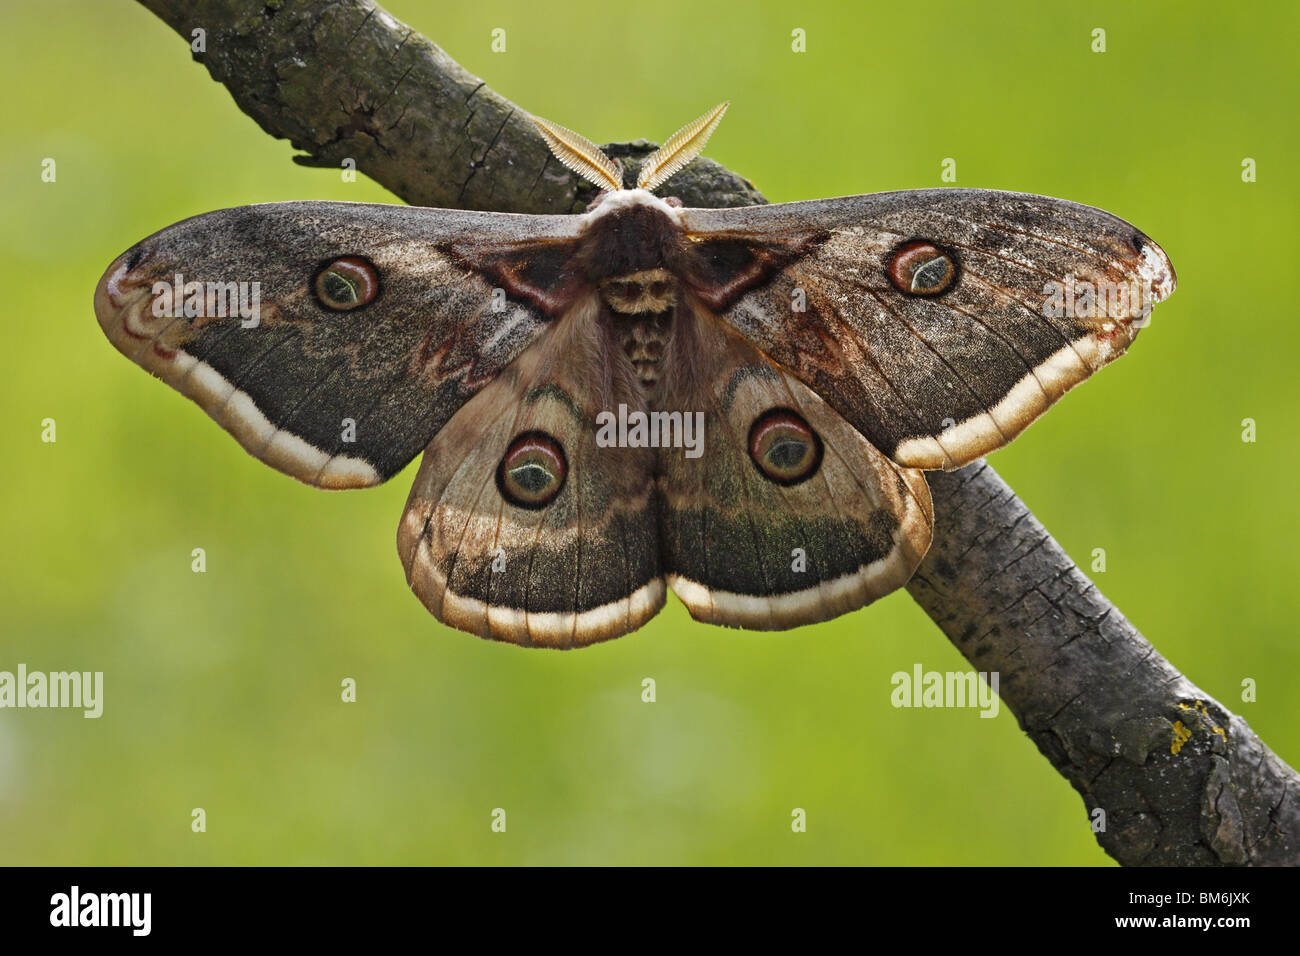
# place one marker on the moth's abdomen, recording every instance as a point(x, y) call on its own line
point(647, 290)
point(640, 308)
point(643, 338)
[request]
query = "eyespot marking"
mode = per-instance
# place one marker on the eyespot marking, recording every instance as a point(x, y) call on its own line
point(348, 283)
point(922, 268)
point(532, 471)
point(783, 447)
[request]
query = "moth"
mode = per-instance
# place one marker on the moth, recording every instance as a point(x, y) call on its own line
point(822, 354)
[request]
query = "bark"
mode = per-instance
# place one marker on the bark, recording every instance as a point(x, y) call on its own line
point(1180, 779)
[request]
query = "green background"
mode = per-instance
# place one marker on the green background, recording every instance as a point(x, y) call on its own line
point(223, 689)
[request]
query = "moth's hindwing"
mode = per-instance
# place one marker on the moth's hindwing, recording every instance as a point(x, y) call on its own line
point(520, 527)
point(333, 339)
point(790, 516)
point(941, 322)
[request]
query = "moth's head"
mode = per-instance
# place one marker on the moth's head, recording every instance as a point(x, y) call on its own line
point(587, 160)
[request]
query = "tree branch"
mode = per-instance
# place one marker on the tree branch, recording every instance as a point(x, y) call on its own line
point(1180, 778)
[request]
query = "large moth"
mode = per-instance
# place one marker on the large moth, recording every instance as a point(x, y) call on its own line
point(736, 404)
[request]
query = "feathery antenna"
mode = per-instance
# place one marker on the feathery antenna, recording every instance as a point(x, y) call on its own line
point(581, 155)
point(586, 159)
point(683, 146)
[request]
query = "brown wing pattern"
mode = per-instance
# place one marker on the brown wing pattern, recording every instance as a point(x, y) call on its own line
point(751, 540)
point(336, 397)
point(828, 348)
point(567, 553)
point(942, 322)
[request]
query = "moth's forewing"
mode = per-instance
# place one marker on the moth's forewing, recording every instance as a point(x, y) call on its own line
point(941, 322)
point(237, 310)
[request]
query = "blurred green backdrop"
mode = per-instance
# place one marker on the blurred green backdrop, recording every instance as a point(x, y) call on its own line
point(223, 689)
